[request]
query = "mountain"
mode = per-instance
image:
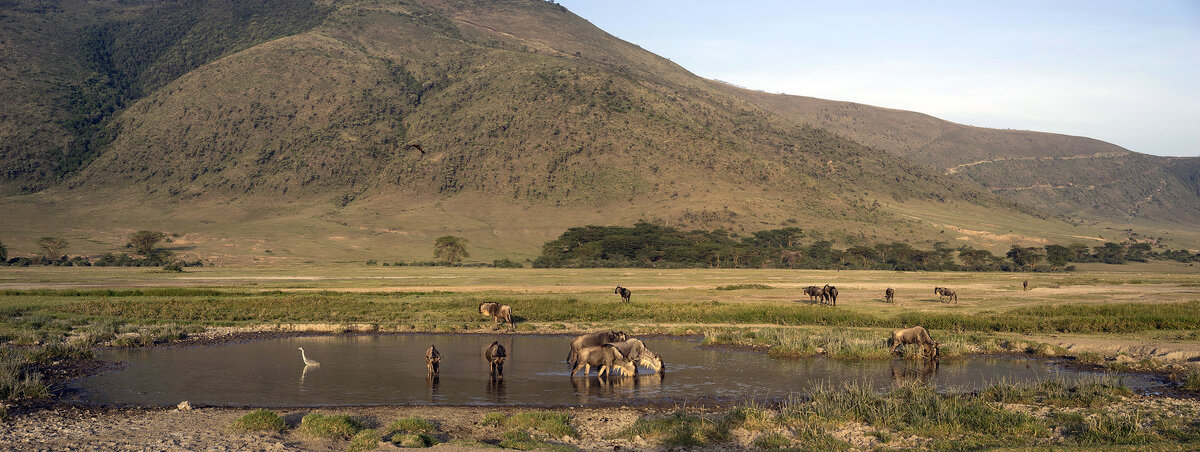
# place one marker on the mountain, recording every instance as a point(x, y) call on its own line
point(1058, 174)
point(291, 130)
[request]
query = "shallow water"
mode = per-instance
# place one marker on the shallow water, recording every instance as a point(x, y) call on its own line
point(390, 370)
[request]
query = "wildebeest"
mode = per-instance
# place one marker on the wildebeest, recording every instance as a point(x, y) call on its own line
point(636, 352)
point(830, 293)
point(624, 293)
point(1024, 285)
point(432, 359)
point(916, 335)
point(495, 355)
point(497, 311)
point(593, 339)
point(945, 292)
point(814, 293)
point(889, 295)
point(606, 357)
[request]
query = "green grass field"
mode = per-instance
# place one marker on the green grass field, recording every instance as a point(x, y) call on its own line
point(1158, 300)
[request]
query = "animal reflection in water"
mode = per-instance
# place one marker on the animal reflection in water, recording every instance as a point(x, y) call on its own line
point(495, 388)
point(909, 371)
point(615, 386)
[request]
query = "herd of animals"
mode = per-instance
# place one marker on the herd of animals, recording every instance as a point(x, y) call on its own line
point(610, 351)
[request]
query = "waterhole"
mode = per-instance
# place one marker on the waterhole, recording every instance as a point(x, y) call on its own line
point(390, 370)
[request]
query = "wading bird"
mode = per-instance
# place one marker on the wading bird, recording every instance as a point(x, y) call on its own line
point(307, 362)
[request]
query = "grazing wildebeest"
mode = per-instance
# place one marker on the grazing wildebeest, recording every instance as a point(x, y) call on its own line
point(593, 339)
point(497, 311)
point(495, 354)
point(636, 352)
point(624, 293)
point(1024, 285)
point(889, 295)
point(945, 292)
point(916, 335)
point(606, 357)
point(432, 359)
point(830, 293)
point(814, 293)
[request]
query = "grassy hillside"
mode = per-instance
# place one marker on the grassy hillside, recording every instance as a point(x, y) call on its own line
point(1057, 174)
point(367, 128)
point(75, 65)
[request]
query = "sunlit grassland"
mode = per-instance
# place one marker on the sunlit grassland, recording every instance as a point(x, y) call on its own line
point(41, 303)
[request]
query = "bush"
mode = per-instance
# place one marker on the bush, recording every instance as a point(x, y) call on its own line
point(337, 426)
point(260, 420)
point(506, 263)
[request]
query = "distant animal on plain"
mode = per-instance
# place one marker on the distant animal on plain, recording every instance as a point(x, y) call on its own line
point(830, 294)
point(307, 362)
point(945, 294)
point(636, 352)
point(814, 293)
point(606, 357)
point(495, 355)
point(1024, 285)
point(916, 335)
point(432, 359)
point(592, 339)
point(497, 311)
point(624, 293)
point(889, 295)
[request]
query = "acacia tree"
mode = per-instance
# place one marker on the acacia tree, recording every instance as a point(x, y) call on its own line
point(145, 241)
point(450, 249)
point(52, 247)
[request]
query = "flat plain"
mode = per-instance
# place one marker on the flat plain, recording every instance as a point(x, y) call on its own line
point(1129, 318)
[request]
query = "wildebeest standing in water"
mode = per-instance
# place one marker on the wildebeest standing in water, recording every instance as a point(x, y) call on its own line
point(889, 295)
point(814, 293)
point(624, 293)
point(944, 293)
point(495, 355)
point(432, 360)
point(916, 335)
point(497, 311)
point(830, 293)
point(636, 352)
point(606, 358)
point(592, 339)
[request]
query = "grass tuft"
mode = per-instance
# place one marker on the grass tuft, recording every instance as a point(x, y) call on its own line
point(337, 426)
point(260, 420)
point(364, 440)
point(412, 425)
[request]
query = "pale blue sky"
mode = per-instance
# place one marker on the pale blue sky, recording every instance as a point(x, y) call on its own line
point(1127, 72)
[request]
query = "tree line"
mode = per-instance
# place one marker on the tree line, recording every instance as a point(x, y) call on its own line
point(144, 244)
point(650, 245)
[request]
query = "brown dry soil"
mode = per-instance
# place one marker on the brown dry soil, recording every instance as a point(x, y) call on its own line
point(70, 428)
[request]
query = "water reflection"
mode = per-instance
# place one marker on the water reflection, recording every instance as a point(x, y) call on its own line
point(906, 371)
point(495, 389)
point(390, 370)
